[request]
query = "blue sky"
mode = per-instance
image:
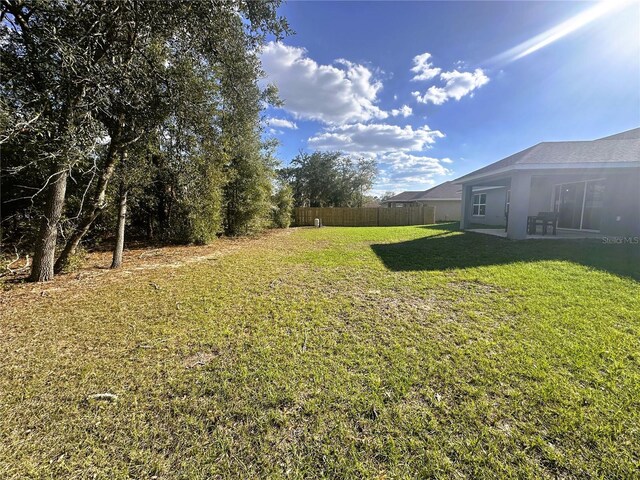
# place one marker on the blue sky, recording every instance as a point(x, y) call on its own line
point(434, 90)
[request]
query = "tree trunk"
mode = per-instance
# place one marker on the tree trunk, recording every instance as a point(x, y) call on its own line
point(97, 205)
point(122, 217)
point(42, 269)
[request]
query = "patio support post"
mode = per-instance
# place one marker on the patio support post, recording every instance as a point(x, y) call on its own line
point(519, 206)
point(464, 205)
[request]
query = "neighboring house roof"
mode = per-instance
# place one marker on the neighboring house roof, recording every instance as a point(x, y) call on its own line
point(444, 191)
point(404, 196)
point(616, 150)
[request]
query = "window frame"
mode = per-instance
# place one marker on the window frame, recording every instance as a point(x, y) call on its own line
point(480, 203)
point(556, 195)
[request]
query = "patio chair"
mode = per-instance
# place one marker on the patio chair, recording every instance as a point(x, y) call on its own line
point(546, 219)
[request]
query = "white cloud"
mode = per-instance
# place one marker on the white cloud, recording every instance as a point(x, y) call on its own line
point(403, 171)
point(282, 123)
point(333, 94)
point(457, 85)
point(423, 68)
point(375, 138)
point(404, 111)
point(392, 147)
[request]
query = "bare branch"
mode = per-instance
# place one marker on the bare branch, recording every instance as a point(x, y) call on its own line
point(40, 190)
point(19, 127)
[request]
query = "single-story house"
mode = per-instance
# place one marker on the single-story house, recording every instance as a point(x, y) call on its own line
point(587, 187)
point(444, 197)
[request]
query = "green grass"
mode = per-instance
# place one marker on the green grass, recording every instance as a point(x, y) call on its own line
point(397, 352)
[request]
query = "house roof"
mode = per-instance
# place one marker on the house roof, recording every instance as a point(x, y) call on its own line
point(632, 134)
point(446, 190)
point(621, 148)
point(404, 196)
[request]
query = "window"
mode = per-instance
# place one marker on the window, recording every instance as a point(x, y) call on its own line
point(479, 204)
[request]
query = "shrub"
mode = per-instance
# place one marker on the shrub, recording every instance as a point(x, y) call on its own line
point(282, 207)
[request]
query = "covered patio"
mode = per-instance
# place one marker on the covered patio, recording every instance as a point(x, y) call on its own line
point(572, 203)
point(575, 189)
point(560, 234)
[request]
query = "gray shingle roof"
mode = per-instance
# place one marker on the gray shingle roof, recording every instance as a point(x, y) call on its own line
point(445, 190)
point(404, 196)
point(634, 133)
point(619, 148)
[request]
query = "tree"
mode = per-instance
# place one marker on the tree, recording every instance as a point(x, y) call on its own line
point(75, 74)
point(282, 206)
point(217, 50)
point(386, 196)
point(131, 175)
point(45, 63)
point(251, 165)
point(329, 179)
point(118, 249)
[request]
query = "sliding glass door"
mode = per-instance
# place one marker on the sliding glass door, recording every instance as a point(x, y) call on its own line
point(570, 206)
point(579, 204)
point(593, 201)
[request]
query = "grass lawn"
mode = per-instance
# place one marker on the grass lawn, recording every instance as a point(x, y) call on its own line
point(392, 352)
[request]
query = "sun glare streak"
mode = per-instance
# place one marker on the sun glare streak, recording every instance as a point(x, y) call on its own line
point(546, 38)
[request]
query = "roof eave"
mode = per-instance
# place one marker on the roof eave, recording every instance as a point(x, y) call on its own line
point(544, 166)
point(438, 199)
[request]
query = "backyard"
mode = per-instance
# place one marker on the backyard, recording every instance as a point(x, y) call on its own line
point(382, 352)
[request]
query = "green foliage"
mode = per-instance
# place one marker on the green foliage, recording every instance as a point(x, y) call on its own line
point(386, 196)
point(76, 261)
point(329, 179)
point(172, 86)
point(201, 201)
point(248, 192)
point(283, 206)
point(248, 196)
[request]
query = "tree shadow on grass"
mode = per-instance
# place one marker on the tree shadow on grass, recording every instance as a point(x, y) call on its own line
point(448, 249)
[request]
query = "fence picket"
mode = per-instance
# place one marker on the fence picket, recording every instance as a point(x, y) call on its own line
point(365, 217)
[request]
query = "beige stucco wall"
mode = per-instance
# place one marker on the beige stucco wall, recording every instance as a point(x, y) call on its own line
point(446, 210)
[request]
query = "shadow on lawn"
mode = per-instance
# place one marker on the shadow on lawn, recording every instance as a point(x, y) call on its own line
point(447, 249)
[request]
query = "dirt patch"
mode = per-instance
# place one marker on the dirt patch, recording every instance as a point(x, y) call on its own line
point(199, 359)
point(16, 291)
point(478, 287)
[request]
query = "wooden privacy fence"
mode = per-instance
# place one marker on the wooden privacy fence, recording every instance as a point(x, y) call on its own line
point(366, 217)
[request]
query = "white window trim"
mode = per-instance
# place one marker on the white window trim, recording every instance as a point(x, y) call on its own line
point(479, 204)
